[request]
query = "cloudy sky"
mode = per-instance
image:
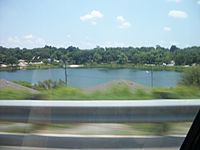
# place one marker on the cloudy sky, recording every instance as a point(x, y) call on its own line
point(88, 23)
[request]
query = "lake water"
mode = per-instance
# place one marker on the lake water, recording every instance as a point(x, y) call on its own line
point(88, 77)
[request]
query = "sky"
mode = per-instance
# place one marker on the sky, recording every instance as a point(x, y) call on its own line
point(106, 23)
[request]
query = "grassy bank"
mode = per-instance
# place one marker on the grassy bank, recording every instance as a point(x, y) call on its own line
point(121, 92)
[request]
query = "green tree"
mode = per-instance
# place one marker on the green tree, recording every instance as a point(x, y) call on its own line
point(122, 55)
point(64, 59)
point(122, 58)
point(179, 58)
point(11, 60)
point(191, 77)
point(173, 48)
point(97, 58)
point(45, 61)
point(27, 55)
point(2, 58)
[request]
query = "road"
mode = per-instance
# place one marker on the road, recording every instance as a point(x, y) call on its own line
point(33, 148)
point(91, 142)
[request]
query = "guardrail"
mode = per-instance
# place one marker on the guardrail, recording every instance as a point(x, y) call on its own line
point(34, 111)
point(98, 111)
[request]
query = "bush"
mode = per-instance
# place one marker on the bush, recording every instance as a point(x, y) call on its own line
point(164, 94)
point(49, 84)
point(191, 77)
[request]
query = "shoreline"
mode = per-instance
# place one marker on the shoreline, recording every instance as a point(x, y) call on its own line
point(109, 66)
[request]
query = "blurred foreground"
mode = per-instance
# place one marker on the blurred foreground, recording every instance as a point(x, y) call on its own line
point(115, 129)
point(144, 135)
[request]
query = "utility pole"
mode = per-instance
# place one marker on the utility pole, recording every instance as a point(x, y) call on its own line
point(151, 76)
point(64, 60)
point(65, 72)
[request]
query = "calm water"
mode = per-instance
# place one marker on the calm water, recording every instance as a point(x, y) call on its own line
point(88, 77)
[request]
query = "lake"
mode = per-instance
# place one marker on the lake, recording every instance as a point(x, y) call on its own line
point(88, 77)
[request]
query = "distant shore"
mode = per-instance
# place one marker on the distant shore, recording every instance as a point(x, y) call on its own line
point(138, 66)
point(111, 66)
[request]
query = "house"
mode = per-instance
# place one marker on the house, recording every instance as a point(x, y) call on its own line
point(172, 63)
point(3, 65)
point(22, 63)
point(36, 63)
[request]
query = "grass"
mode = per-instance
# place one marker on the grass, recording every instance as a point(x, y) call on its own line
point(114, 92)
point(179, 92)
point(120, 93)
point(123, 92)
point(43, 66)
point(23, 83)
point(13, 94)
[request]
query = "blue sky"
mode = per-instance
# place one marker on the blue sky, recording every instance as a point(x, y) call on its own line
point(88, 23)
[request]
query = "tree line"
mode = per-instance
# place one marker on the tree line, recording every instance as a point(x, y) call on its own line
point(120, 55)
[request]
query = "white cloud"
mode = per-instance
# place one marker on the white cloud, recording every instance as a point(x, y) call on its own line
point(122, 22)
point(167, 29)
point(28, 41)
point(178, 14)
point(174, 43)
point(198, 2)
point(92, 16)
point(14, 40)
point(29, 36)
point(114, 44)
point(167, 43)
point(68, 36)
point(176, 1)
point(32, 40)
